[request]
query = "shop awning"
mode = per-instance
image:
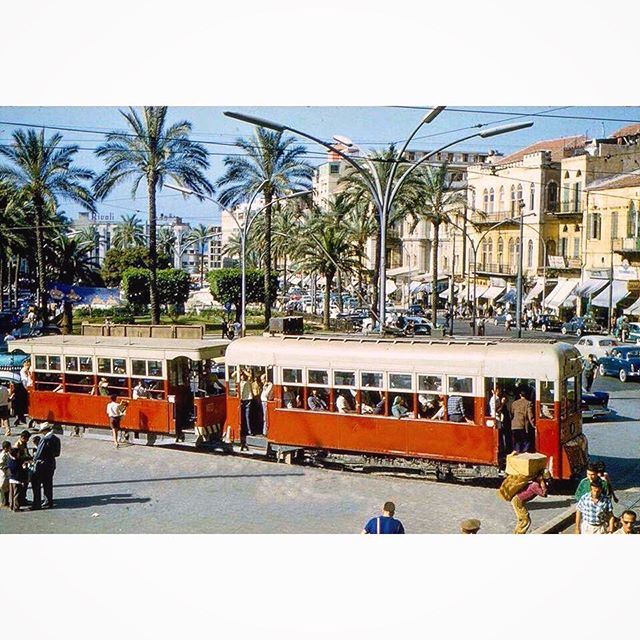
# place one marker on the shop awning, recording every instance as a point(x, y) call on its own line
point(414, 286)
point(509, 297)
point(447, 292)
point(491, 293)
point(480, 289)
point(535, 291)
point(562, 294)
point(618, 293)
point(591, 287)
point(633, 309)
point(399, 271)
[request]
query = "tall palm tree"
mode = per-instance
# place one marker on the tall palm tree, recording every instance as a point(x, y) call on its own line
point(286, 225)
point(253, 253)
point(274, 161)
point(90, 236)
point(43, 169)
point(166, 241)
point(325, 246)
point(129, 233)
point(199, 236)
point(152, 150)
point(13, 228)
point(435, 202)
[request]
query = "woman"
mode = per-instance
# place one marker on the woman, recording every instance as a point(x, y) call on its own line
point(399, 408)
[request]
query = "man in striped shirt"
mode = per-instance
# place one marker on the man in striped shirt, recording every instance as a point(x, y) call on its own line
point(594, 512)
point(455, 407)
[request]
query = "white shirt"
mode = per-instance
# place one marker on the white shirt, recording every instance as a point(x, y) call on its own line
point(26, 377)
point(4, 396)
point(139, 392)
point(341, 405)
point(114, 410)
point(267, 392)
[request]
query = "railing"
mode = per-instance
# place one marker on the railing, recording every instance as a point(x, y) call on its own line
point(571, 208)
point(493, 267)
point(626, 244)
point(493, 217)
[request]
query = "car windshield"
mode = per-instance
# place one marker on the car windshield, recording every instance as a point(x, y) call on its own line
point(633, 354)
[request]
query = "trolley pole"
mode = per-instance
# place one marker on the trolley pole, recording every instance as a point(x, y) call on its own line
point(519, 281)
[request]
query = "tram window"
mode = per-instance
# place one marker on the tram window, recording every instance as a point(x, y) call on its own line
point(371, 402)
point(318, 376)
point(41, 362)
point(54, 363)
point(547, 396)
point(571, 394)
point(460, 385)
point(119, 365)
point(400, 381)
point(292, 376)
point(138, 368)
point(344, 378)
point(154, 368)
point(104, 365)
point(86, 364)
point(71, 363)
point(430, 383)
point(371, 379)
point(402, 406)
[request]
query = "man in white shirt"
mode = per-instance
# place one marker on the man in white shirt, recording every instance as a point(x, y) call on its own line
point(265, 396)
point(115, 411)
point(139, 391)
point(26, 375)
point(342, 405)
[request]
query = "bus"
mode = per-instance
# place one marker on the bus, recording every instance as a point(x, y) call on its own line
point(353, 383)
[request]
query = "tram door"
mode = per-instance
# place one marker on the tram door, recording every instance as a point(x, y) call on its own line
point(179, 387)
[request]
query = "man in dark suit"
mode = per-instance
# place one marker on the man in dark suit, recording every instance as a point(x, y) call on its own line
point(44, 467)
point(522, 419)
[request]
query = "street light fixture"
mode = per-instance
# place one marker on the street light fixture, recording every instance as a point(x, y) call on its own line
point(383, 198)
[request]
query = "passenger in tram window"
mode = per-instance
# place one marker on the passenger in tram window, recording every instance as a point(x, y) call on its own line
point(379, 408)
point(214, 386)
point(140, 391)
point(103, 387)
point(430, 407)
point(342, 403)
point(315, 402)
point(369, 401)
point(455, 406)
point(400, 409)
point(288, 398)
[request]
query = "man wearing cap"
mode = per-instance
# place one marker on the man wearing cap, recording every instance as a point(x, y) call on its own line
point(470, 526)
point(44, 462)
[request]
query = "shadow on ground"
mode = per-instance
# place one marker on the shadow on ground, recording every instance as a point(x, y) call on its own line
point(81, 502)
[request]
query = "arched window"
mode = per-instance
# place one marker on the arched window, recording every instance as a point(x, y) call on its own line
point(512, 252)
point(501, 200)
point(485, 201)
point(551, 248)
point(552, 197)
point(530, 254)
point(566, 175)
point(596, 226)
point(520, 199)
point(491, 199)
point(500, 251)
point(532, 197)
point(490, 251)
point(579, 173)
point(513, 199)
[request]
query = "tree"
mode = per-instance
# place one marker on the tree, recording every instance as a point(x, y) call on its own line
point(152, 150)
point(135, 285)
point(434, 200)
point(13, 225)
point(173, 286)
point(43, 170)
point(199, 236)
point(166, 243)
point(117, 260)
point(325, 246)
point(226, 286)
point(128, 233)
point(272, 163)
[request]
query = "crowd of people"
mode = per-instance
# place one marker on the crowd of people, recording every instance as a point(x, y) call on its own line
point(255, 390)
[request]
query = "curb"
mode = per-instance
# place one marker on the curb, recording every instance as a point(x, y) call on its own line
point(560, 522)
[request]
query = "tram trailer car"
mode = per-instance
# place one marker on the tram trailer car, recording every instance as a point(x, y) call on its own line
point(67, 371)
point(370, 373)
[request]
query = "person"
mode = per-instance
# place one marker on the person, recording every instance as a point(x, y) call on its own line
point(140, 391)
point(315, 402)
point(537, 487)
point(266, 395)
point(584, 486)
point(521, 420)
point(589, 371)
point(214, 386)
point(16, 474)
point(399, 408)
point(4, 473)
point(31, 320)
point(499, 409)
point(115, 411)
point(594, 513)
point(26, 375)
point(224, 329)
point(470, 526)
point(24, 458)
point(4, 410)
point(342, 404)
point(624, 329)
point(386, 523)
point(44, 462)
point(237, 329)
point(103, 388)
point(508, 321)
point(455, 407)
point(245, 402)
point(607, 485)
point(627, 522)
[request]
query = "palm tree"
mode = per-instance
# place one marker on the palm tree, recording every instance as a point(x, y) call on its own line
point(129, 233)
point(166, 241)
point(435, 201)
point(44, 171)
point(273, 164)
point(324, 246)
point(253, 254)
point(200, 236)
point(152, 150)
point(286, 225)
point(73, 264)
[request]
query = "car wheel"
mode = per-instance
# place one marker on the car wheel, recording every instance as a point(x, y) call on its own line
point(622, 375)
point(578, 332)
point(543, 328)
point(563, 331)
point(601, 370)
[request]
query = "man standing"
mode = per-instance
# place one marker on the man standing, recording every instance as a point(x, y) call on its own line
point(627, 522)
point(537, 487)
point(385, 523)
point(115, 411)
point(4, 410)
point(594, 513)
point(589, 371)
point(584, 488)
point(23, 457)
point(44, 467)
point(521, 419)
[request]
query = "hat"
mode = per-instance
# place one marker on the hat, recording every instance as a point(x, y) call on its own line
point(470, 525)
point(44, 426)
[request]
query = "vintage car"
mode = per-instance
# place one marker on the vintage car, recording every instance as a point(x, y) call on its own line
point(545, 322)
point(581, 325)
point(599, 346)
point(594, 404)
point(623, 362)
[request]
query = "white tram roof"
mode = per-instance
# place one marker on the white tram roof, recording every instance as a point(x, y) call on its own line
point(543, 359)
point(108, 347)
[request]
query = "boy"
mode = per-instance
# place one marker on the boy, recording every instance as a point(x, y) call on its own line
point(4, 473)
point(15, 479)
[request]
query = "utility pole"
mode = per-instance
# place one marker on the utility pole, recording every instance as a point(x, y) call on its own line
point(519, 281)
point(453, 279)
point(611, 283)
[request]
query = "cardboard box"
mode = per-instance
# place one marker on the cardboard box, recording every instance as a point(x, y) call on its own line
point(526, 464)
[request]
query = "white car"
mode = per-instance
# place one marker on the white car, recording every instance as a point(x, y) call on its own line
point(599, 346)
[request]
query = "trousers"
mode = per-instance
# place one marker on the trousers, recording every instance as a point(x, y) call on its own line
point(520, 440)
point(42, 482)
point(14, 496)
point(523, 520)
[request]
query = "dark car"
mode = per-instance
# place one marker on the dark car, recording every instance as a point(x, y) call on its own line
point(414, 325)
point(545, 322)
point(581, 325)
point(623, 362)
point(594, 404)
point(416, 310)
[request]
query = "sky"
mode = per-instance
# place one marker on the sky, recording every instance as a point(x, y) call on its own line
point(368, 127)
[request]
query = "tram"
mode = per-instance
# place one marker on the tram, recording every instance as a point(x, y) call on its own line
point(355, 383)
point(73, 377)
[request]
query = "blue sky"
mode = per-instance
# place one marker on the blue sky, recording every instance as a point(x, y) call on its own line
point(369, 127)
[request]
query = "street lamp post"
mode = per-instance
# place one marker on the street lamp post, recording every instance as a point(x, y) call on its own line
point(383, 198)
point(519, 278)
point(243, 230)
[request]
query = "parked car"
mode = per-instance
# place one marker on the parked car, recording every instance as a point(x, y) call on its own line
point(599, 346)
point(10, 361)
point(581, 325)
point(634, 332)
point(594, 404)
point(421, 326)
point(545, 322)
point(416, 309)
point(623, 362)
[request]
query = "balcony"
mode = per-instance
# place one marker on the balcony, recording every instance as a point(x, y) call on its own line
point(493, 217)
point(566, 211)
point(494, 268)
point(627, 246)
